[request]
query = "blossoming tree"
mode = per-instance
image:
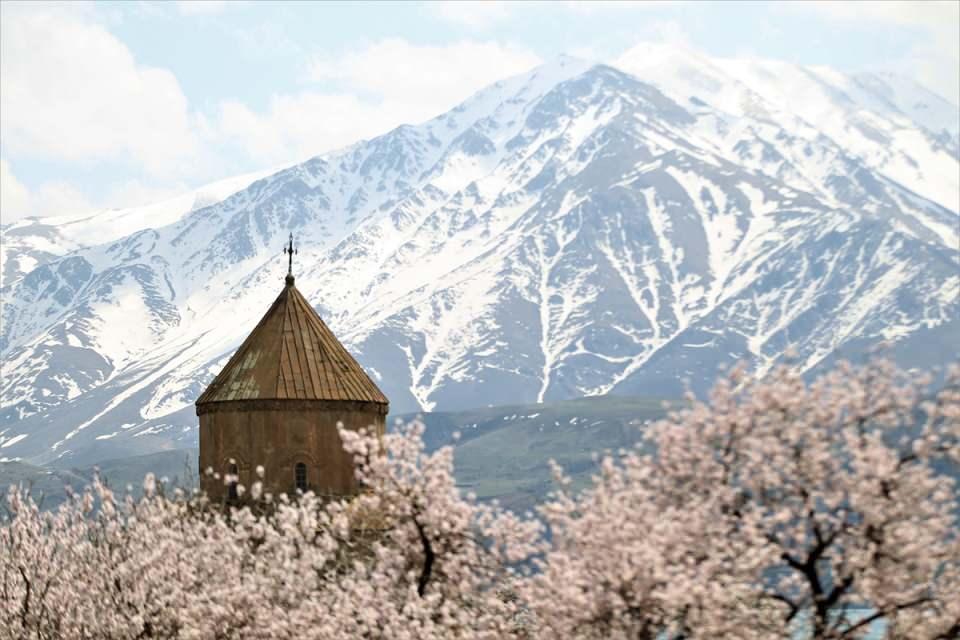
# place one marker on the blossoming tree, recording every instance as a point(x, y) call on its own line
point(774, 509)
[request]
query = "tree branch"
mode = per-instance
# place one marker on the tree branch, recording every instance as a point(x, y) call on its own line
point(25, 609)
point(428, 558)
point(794, 608)
point(882, 614)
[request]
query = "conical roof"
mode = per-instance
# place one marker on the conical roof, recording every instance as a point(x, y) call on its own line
point(292, 355)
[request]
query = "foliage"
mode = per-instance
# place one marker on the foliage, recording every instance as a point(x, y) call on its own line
point(771, 510)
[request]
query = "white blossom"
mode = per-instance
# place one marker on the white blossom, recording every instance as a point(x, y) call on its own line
point(768, 511)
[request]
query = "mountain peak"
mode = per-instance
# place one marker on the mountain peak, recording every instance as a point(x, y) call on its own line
point(575, 230)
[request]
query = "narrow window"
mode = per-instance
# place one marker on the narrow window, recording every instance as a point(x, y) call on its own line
point(300, 476)
point(232, 487)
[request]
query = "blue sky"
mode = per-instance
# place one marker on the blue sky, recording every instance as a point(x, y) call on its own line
point(117, 104)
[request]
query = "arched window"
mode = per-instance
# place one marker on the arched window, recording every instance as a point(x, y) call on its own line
point(232, 487)
point(300, 476)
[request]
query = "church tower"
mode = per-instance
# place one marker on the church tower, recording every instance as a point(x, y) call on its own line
point(277, 403)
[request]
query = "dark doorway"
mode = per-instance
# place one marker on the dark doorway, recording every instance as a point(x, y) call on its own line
point(234, 472)
point(300, 476)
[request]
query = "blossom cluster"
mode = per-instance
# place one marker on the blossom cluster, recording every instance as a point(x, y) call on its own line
point(775, 508)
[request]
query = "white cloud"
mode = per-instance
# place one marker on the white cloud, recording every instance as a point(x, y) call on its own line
point(480, 14)
point(295, 127)
point(133, 193)
point(932, 13)
point(263, 40)
point(51, 198)
point(472, 13)
point(197, 7)
point(669, 32)
point(87, 101)
point(389, 83)
point(14, 197)
point(932, 69)
point(430, 79)
point(655, 32)
point(72, 91)
point(591, 52)
point(935, 61)
point(593, 6)
point(54, 198)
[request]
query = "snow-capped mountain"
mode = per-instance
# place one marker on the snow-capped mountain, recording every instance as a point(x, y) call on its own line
point(580, 229)
point(891, 123)
point(35, 241)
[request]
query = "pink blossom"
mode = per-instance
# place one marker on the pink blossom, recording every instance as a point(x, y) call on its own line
point(768, 511)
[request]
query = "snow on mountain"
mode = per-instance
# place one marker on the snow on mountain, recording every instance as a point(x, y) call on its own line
point(897, 128)
point(30, 242)
point(900, 95)
point(571, 231)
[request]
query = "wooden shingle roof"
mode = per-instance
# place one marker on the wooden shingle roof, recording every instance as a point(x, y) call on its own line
point(292, 355)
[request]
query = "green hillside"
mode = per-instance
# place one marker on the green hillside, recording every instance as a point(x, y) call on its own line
point(502, 452)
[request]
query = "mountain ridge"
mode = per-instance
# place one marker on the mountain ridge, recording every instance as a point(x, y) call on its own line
point(570, 231)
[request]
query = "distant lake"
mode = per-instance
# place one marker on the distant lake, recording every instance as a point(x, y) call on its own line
point(875, 631)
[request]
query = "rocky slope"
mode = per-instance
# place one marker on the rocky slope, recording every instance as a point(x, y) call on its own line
point(577, 230)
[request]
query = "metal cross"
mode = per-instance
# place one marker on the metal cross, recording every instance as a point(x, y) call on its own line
point(290, 251)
